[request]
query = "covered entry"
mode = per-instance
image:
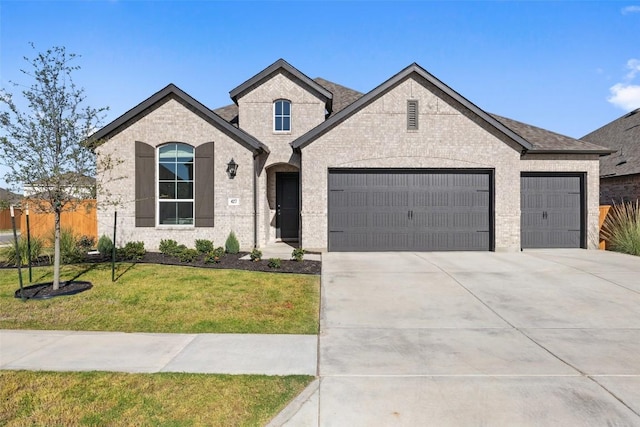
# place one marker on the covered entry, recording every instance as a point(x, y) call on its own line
point(410, 210)
point(553, 210)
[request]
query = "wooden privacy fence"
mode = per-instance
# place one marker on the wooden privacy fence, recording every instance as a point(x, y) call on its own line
point(604, 210)
point(5, 218)
point(83, 220)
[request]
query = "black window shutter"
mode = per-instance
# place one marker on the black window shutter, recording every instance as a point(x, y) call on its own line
point(412, 115)
point(204, 185)
point(145, 185)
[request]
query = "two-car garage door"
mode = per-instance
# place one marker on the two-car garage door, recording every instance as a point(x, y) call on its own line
point(444, 210)
point(417, 210)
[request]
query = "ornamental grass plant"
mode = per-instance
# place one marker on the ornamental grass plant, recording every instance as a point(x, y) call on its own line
point(621, 228)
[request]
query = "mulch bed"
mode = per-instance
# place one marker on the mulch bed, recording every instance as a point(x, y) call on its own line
point(46, 291)
point(234, 262)
point(228, 261)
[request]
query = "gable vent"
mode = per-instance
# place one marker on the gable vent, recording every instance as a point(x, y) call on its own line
point(412, 114)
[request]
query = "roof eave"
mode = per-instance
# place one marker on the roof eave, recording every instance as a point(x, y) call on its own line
point(581, 152)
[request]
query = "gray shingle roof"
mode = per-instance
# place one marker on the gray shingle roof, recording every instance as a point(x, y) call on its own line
point(342, 95)
point(544, 141)
point(623, 136)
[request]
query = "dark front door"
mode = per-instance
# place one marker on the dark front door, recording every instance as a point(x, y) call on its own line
point(287, 205)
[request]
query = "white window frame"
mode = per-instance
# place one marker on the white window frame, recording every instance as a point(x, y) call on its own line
point(281, 116)
point(193, 190)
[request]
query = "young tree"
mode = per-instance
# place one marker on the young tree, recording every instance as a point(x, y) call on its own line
point(45, 144)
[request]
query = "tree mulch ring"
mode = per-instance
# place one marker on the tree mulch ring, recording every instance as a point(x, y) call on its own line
point(46, 291)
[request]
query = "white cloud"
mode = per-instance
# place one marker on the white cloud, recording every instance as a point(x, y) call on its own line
point(630, 9)
point(626, 95)
point(634, 66)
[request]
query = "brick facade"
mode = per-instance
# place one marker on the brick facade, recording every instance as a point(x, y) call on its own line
point(255, 110)
point(619, 189)
point(172, 121)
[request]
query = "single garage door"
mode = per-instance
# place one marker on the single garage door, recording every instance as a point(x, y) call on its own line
point(410, 210)
point(552, 210)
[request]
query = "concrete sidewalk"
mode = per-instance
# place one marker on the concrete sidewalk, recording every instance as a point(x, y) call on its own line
point(145, 353)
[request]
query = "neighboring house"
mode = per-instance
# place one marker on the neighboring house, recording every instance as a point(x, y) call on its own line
point(620, 170)
point(8, 198)
point(72, 184)
point(411, 165)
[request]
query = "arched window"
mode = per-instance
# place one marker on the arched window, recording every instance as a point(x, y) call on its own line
point(282, 116)
point(175, 184)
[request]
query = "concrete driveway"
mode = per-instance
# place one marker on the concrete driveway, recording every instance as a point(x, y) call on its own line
point(541, 337)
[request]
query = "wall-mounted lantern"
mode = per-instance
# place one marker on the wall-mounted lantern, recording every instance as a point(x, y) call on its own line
point(232, 168)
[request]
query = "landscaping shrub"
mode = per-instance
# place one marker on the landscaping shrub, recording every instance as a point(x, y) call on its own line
point(232, 246)
point(214, 256)
point(204, 246)
point(298, 254)
point(188, 255)
point(168, 247)
point(274, 262)
point(70, 250)
point(132, 251)
point(86, 243)
point(9, 253)
point(256, 255)
point(105, 245)
point(621, 228)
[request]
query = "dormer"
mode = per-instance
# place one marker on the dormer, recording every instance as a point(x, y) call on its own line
point(280, 103)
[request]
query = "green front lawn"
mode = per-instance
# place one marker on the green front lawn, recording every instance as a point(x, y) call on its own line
point(166, 399)
point(172, 299)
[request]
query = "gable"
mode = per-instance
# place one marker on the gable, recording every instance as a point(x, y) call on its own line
point(172, 93)
point(283, 67)
point(418, 74)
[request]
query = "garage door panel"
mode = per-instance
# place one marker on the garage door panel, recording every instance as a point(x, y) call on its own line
point(410, 210)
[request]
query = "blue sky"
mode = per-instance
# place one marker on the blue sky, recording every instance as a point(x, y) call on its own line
point(567, 66)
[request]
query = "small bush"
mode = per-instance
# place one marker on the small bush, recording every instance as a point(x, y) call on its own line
point(298, 254)
point(86, 243)
point(204, 246)
point(256, 255)
point(188, 255)
point(70, 250)
point(105, 245)
point(621, 228)
point(168, 247)
point(132, 251)
point(232, 246)
point(214, 256)
point(9, 253)
point(274, 262)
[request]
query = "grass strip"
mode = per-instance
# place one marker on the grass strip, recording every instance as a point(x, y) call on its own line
point(163, 399)
point(170, 299)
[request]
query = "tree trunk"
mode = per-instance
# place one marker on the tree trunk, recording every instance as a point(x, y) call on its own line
point(56, 251)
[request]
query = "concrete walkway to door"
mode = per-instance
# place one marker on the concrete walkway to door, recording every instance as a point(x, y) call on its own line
point(537, 338)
